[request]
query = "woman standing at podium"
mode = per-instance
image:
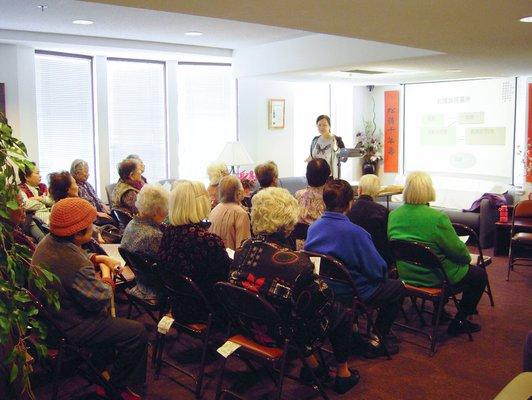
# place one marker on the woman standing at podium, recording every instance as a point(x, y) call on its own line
point(326, 145)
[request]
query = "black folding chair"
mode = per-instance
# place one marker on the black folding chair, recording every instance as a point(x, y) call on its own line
point(421, 255)
point(145, 267)
point(300, 231)
point(262, 335)
point(123, 218)
point(335, 271)
point(478, 258)
point(186, 298)
point(521, 236)
point(57, 353)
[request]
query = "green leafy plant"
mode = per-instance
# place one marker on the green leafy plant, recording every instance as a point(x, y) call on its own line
point(19, 323)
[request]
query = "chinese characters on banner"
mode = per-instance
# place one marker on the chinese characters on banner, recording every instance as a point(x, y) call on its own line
point(528, 159)
point(391, 131)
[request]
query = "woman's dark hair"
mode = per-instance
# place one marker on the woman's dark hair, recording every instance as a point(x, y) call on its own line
point(59, 184)
point(337, 194)
point(318, 171)
point(266, 173)
point(126, 167)
point(26, 171)
point(325, 117)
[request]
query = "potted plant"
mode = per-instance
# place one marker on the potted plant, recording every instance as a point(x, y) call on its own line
point(19, 324)
point(370, 144)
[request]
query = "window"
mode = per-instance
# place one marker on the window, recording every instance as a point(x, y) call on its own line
point(207, 116)
point(64, 112)
point(137, 115)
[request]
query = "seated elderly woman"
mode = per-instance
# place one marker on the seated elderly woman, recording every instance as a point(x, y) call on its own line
point(125, 192)
point(187, 247)
point(14, 222)
point(265, 266)
point(311, 205)
point(34, 193)
point(267, 175)
point(333, 234)
point(416, 221)
point(143, 235)
point(372, 216)
point(137, 158)
point(215, 171)
point(229, 219)
point(79, 169)
point(62, 185)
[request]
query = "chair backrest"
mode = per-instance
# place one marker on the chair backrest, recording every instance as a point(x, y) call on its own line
point(186, 296)
point(523, 209)
point(464, 230)
point(41, 225)
point(300, 231)
point(109, 191)
point(144, 268)
point(251, 314)
point(122, 217)
point(418, 254)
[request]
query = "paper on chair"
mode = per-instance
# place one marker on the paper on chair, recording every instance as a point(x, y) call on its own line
point(464, 238)
point(228, 348)
point(230, 253)
point(164, 324)
point(112, 251)
point(316, 261)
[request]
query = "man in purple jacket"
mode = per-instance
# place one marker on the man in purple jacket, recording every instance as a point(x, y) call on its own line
point(334, 235)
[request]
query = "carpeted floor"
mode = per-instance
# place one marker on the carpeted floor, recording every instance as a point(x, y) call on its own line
point(460, 369)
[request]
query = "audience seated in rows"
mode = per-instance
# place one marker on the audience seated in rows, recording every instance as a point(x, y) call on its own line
point(215, 171)
point(79, 169)
point(129, 184)
point(311, 205)
point(228, 219)
point(85, 298)
point(417, 221)
point(372, 216)
point(267, 175)
point(34, 193)
point(334, 235)
point(143, 234)
point(264, 265)
point(187, 247)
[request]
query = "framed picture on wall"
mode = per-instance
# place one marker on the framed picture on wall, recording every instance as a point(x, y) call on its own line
point(276, 113)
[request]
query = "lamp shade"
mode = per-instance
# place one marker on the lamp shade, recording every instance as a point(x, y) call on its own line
point(235, 154)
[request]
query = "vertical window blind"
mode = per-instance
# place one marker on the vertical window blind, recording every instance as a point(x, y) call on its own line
point(207, 116)
point(137, 115)
point(64, 112)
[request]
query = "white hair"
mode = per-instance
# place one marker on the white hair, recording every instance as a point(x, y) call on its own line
point(216, 171)
point(151, 200)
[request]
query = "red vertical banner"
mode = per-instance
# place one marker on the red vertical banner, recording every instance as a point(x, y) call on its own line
point(391, 131)
point(528, 159)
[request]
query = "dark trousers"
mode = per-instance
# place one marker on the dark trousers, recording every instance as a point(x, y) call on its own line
point(472, 287)
point(124, 343)
point(388, 298)
point(341, 332)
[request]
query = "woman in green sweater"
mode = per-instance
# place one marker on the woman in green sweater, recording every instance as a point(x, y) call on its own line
point(416, 221)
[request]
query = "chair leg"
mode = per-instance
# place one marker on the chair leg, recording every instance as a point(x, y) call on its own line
point(159, 356)
point(57, 373)
point(490, 294)
point(317, 382)
point(282, 372)
point(510, 262)
point(201, 372)
point(220, 378)
point(435, 326)
point(459, 308)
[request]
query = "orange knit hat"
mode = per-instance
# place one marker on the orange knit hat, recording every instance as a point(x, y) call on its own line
point(71, 215)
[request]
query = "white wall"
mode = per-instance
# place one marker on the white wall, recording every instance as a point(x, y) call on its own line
point(17, 71)
point(262, 143)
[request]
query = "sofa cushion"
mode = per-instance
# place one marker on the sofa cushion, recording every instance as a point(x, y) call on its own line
point(293, 183)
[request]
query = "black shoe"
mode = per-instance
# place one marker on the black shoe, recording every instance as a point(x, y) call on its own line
point(321, 372)
point(458, 327)
point(374, 351)
point(343, 385)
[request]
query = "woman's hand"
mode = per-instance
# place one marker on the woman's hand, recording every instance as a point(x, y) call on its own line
point(112, 263)
point(104, 215)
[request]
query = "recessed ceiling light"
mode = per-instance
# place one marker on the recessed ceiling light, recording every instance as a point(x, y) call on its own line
point(194, 33)
point(526, 19)
point(42, 7)
point(83, 22)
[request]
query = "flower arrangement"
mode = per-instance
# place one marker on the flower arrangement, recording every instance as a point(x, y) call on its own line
point(369, 142)
point(248, 179)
